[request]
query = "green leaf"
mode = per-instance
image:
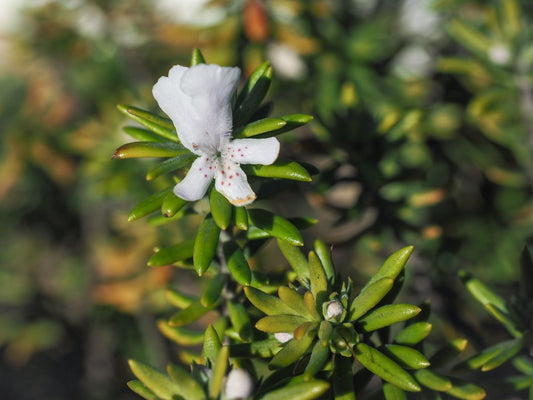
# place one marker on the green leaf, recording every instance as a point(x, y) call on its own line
point(466, 391)
point(492, 356)
point(413, 333)
point(293, 350)
point(319, 282)
point(295, 257)
point(178, 299)
point(172, 254)
point(292, 121)
point(294, 300)
point(213, 290)
point(433, 380)
point(280, 323)
point(240, 320)
point(172, 164)
point(171, 205)
point(323, 253)
point(197, 57)
point(139, 388)
point(190, 388)
point(158, 383)
point(254, 96)
point(218, 372)
point(142, 135)
point(270, 305)
point(160, 126)
point(393, 265)
point(299, 391)
point(319, 356)
point(407, 356)
point(220, 209)
point(258, 348)
point(183, 336)
point(149, 149)
point(190, 314)
point(385, 368)
point(212, 344)
point(252, 80)
point(240, 218)
point(275, 226)
point(311, 305)
point(205, 245)
point(342, 378)
point(511, 349)
point(448, 352)
point(282, 169)
point(149, 205)
point(369, 297)
point(385, 316)
point(392, 392)
point(237, 264)
point(260, 126)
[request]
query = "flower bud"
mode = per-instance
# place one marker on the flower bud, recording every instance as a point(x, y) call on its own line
point(333, 310)
point(283, 336)
point(239, 385)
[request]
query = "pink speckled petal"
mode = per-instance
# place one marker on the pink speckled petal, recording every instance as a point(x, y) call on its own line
point(197, 180)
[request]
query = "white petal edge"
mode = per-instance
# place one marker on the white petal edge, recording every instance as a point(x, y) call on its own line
point(194, 186)
point(254, 151)
point(234, 186)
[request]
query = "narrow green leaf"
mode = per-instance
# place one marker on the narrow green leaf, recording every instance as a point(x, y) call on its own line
point(433, 380)
point(251, 82)
point(275, 226)
point(213, 290)
point(197, 57)
point(448, 352)
point(384, 367)
point(149, 205)
point(292, 121)
point(280, 323)
point(524, 365)
point(481, 292)
point(172, 164)
point(392, 392)
point(299, 391)
point(142, 135)
point(172, 254)
point(323, 253)
point(178, 299)
point(260, 126)
point(218, 372)
point(258, 348)
point(220, 209)
point(190, 388)
point(466, 391)
point(240, 320)
point(161, 126)
point(492, 356)
point(157, 382)
point(212, 344)
point(282, 169)
point(393, 265)
point(190, 314)
point(149, 149)
point(311, 305)
point(240, 218)
point(407, 356)
point(342, 378)
point(205, 245)
point(319, 282)
point(369, 297)
point(294, 300)
point(413, 333)
point(293, 350)
point(171, 205)
point(270, 305)
point(385, 316)
point(512, 349)
point(295, 257)
point(237, 264)
point(319, 356)
point(183, 336)
point(139, 388)
point(253, 98)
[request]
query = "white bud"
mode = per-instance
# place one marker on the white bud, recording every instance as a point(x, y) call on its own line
point(239, 385)
point(499, 54)
point(334, 310)
point(283, 336)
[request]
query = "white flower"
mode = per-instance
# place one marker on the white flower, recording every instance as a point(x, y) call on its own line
point(239, 384)
point(198, 101)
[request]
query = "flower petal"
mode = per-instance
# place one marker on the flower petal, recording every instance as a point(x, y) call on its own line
point(231, 181)
point(253, 151)
point(196, 182)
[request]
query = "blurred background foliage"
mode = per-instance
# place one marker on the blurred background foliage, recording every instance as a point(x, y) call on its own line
point(423, 134)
